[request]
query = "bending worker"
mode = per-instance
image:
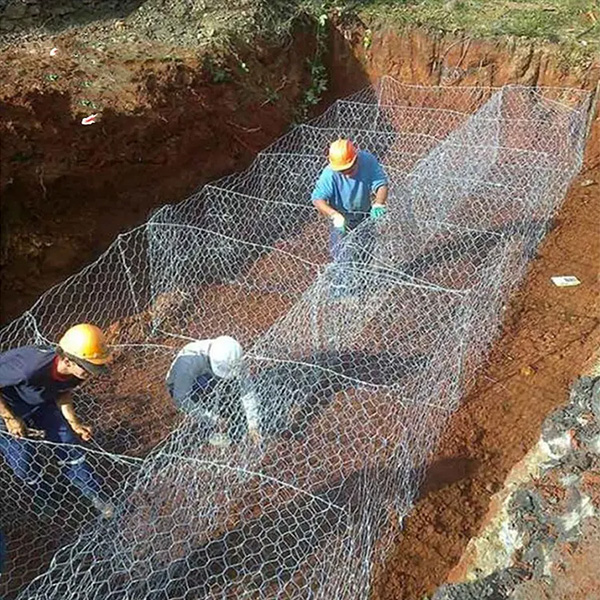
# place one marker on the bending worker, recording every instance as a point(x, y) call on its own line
point(344, 190)
point(195, 373)
point(35, 394)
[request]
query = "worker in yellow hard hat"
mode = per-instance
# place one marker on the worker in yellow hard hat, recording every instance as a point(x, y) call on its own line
point(352, 188)
point(35, 396)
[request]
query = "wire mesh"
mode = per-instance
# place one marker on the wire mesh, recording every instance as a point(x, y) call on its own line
point(356, 363)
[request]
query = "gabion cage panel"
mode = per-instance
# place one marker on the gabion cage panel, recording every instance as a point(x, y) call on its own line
point(356, 363)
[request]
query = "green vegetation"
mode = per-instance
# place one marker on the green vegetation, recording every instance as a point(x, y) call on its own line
point(572, 23)
point(319, 79)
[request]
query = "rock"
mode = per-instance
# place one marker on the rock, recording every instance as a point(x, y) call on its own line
point(62, 9)
point(587, 183)
point(6, 25)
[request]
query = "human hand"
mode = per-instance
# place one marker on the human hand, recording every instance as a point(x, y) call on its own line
point(83, 431)
point(339, 223)
point(377, 211)
point(255, 436)
point(16, 426)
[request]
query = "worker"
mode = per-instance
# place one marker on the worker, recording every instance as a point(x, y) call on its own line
point(197, 370)
point(343, 193)
point(36, 383)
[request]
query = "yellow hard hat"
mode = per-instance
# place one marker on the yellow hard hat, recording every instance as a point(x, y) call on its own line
point(87, 343)
point(342, 155)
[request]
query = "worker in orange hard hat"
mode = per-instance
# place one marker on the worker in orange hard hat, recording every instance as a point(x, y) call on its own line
point(35, 397)
point(351, 189)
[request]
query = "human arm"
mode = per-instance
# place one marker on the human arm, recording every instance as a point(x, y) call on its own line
point(15, 425)
point(381, 195)
point(379, 187)
point(11, 374)
point(321, 199)
point(65, 404)
point(251, 406)
point(337, 219)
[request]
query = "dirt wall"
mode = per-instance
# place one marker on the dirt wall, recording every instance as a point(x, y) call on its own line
point(166, 124)
point(418, 57)
point(171, 119)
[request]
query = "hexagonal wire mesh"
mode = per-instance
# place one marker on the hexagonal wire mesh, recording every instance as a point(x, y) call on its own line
point(355, 363)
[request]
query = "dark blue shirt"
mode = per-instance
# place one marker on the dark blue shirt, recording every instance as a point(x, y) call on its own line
point(28, 379)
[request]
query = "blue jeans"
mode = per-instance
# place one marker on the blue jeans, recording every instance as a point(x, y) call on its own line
point(343, 283)
point(20, 453)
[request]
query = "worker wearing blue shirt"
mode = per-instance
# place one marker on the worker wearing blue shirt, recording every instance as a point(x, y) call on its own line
point(35, 395)
point(344, 190)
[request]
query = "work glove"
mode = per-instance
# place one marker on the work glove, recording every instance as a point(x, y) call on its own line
point(339, 223)
point(377, 211)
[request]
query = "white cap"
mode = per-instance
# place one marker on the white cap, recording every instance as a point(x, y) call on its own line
point(224, 354)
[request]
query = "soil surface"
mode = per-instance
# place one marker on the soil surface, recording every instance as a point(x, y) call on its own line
point(168, 121)
point(548, 336)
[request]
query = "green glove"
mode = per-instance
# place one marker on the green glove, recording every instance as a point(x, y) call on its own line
point(339, 223)
point(377, 211)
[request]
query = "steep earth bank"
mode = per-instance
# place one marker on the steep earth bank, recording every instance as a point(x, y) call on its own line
point(171, 119)
point(167, 122)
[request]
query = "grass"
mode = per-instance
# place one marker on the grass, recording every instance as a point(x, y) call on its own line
point(574, 24)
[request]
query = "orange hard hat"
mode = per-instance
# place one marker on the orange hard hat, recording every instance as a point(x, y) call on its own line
point(87, 343)
point(342, 155)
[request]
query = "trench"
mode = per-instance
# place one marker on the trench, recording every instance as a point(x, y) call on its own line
point(69, 190)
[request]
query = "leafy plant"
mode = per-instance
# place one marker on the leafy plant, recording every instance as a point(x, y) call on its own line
point(217, 69)
point(319, 78)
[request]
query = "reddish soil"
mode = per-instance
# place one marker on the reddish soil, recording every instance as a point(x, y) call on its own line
point(549, 333)
point(165, 128)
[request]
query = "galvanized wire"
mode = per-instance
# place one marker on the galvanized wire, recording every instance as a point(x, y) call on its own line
point(357, 363)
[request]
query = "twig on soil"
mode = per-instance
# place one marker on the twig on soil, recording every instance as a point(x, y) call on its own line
point(276, 91)
point(242, 142)
point(40, 171)
point(580, 35)
point(496, 382)
point(246, 129)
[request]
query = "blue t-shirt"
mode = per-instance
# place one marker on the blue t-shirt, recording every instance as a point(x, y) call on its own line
point(28, 379)
point(350, 195)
